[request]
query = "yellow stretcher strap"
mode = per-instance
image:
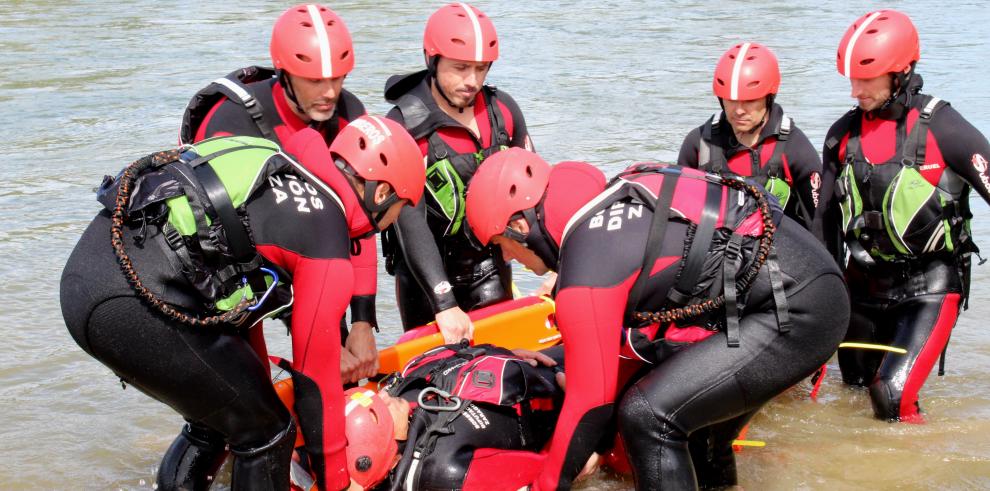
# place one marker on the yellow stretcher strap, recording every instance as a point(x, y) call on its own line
point(879, 347)
point(749, 443)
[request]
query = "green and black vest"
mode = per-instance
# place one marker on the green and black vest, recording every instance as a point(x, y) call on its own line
point(889, 211)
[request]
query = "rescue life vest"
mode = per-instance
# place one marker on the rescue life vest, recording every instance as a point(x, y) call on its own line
point(460, 380)
point(721, 255)
point(889, 211)
point(447, 172)
point(711, 158)
point(237, 87)
point(197, 201)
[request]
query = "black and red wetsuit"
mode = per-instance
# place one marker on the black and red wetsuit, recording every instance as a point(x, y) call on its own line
point(911, 302)
point(435, 270)
point(705, 386)
point(228, 117)
point(799, 163)
point(212, 376)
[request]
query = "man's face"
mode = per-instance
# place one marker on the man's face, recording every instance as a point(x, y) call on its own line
point(871, 93)
point(745, 115)
point(461, 80)
point(518, 251)
point(316, 96)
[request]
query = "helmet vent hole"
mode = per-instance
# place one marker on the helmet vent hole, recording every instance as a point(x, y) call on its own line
point(461, 15)
point(383, 159)
point(529, 171)
point(720, 82)
point(512, 191)
point(307, 24)
point(457, 41)
point(330, 23)
point(362, 144)
point(345, 54)
point(491, 44)
point(750, 58)
point(303, 58)
point(872, 31)
point(866, 61)
point(882, 18)
point(732, 56)
point(752, 84)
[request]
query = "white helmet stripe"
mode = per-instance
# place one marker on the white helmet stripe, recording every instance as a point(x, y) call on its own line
point(381, 124)
point(326, 60)
point(852, 42)
point(736, 68)
point(354, 402)
point(478, 42)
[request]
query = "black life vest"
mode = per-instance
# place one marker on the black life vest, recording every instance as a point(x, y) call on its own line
point(239, 87)
point(447, 172)
point(717, 260)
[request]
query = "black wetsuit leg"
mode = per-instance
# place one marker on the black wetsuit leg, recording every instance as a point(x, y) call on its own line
point(912, 307)
point(211, 376)
point(709, 383)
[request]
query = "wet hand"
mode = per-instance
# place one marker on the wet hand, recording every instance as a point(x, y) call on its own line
point(455, 325)
point(361, 345)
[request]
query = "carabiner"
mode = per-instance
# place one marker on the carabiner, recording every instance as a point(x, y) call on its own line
point(441, 395)
point(270, 289)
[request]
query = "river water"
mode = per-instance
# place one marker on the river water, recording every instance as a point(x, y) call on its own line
point(91, 85)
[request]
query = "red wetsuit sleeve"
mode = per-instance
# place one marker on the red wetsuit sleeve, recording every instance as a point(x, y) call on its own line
point(590, 321)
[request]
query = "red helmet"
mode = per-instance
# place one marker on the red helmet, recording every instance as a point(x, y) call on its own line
point(506, 183)
point(747, 71)
point(878, 43)
point(371, 447)
point(380, 150)
point(312, 41)
point(461, 32)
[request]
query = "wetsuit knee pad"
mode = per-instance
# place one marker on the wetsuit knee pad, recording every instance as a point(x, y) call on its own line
point(265, 467)
point(657, 449)
point(192, 461)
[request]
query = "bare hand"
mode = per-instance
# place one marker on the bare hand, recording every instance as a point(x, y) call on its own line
point(348, 366)
point(535, 358)
point(361, 344)
point(455, 325)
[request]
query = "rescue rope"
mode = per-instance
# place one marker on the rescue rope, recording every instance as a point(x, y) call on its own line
point(127, 179)
point(766, 240)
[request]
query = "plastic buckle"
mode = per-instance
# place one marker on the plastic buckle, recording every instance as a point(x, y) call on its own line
point(442, 395)
point(873, 220)
point(733, 250)
point(271, 288)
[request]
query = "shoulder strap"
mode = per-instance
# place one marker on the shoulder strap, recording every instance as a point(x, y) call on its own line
point(233, 87)
point(687, 278)
point(915, 146)
point(658, 226)
point(775, 165)
point(711, 155)
point(496, 120)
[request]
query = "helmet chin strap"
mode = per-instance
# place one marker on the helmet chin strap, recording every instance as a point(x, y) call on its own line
point(374, 211)
point(290, 92)
point(899, 97)
point(432, 71)
point(539, 239)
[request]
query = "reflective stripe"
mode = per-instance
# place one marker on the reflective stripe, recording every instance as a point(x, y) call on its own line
point(478, 41)
point(736, 68)
point(237, 89)
point(326, 60)
point(930, 108)
point(355, 402)
point(853, 39)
